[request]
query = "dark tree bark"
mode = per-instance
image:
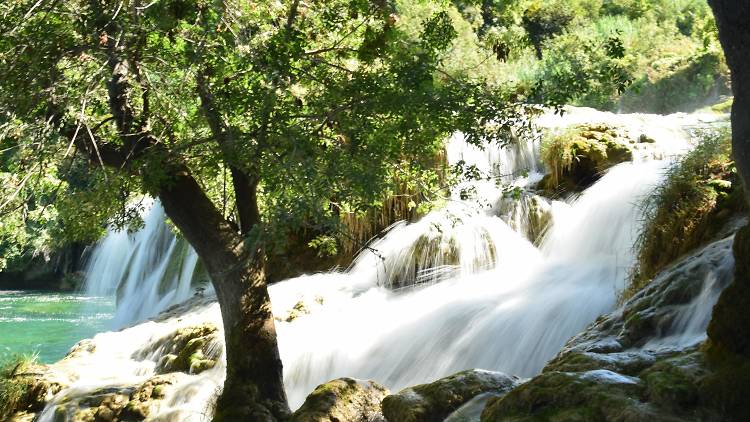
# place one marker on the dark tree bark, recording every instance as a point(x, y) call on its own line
point(729, 329)
point(254, 388)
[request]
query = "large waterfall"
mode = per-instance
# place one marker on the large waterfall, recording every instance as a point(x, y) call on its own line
point(462, 288)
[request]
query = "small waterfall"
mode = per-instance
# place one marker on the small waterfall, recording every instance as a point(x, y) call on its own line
point(148, 271)
point(461, 288)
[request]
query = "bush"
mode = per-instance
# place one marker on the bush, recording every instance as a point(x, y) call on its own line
point(545, 20)
point(700, 194)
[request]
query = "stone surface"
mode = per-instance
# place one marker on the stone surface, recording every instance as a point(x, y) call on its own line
point(343, 400)
point(631, 365)
point(437, 400)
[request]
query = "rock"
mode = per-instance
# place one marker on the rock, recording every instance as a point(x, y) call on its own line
point(645, 139)
point(578, 157)
point(115, 403)
point(343, 400)
point(529, 215)
point(191, 350)
point(598, 395)
point(437, 400)
point(620, 369)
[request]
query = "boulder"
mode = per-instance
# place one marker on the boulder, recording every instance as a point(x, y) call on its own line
point(190, 349)
point(343, 400)
point(577, 158)
point(437, 400)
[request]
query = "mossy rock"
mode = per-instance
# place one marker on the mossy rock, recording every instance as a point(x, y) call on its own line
point(595, 396)
point(190, 349)
point(577, 158)
point(343, 399)
point(25, 388)
point(437, 400)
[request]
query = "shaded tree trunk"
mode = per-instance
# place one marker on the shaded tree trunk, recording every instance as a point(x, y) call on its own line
point(729, 329)
point(254, 388)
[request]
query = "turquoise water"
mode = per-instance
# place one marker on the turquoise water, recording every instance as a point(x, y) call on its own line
point(49, 323)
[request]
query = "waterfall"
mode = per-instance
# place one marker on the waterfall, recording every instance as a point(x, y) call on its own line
point(148, 271)
point(462, 288)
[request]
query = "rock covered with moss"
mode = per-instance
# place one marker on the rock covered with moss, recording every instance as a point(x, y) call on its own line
point(529, 215)
point(641, 362)
point(25, 386)
point(577, 157)
point(107, 404)
point(437, 400)
point(190, 349)
point(343, 399)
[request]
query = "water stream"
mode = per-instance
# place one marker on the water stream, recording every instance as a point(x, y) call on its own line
point(462, 288)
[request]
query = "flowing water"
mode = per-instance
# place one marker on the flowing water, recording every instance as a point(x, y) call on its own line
point(462, 288)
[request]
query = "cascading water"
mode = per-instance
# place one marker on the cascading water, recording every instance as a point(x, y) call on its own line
point(148, 271)
point(461, 288)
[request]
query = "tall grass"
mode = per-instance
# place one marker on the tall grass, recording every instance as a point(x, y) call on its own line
point(700, 193)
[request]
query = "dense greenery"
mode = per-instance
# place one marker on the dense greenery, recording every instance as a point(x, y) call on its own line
point(640, 55)
point(633, 55)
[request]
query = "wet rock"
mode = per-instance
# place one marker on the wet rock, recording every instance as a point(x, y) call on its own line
point(641, 362)
point(343, 399)
point(143, 399)
point(597, 395)
point(645, 139)
point(529, 215)
point(26, 389)
point(437, 400)
point(577, 158)
point(115, 403)
point(191, 350)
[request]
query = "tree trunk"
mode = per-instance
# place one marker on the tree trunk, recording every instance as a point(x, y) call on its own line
point(254, 388)
point(729, 329)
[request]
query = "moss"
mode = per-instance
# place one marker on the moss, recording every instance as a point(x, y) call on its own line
point(187, 350)
point(437, 400)
point(723, 107)
point(729, 329)
point(699, 196)
point(728, 385)
point(18, 385)
point(577, 157)
point(672, 383)
point(589, 396)
point(343, 399)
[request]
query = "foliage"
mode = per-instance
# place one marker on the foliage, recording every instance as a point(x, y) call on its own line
point(314, 100)
point(545, 20)
point(700, 193)
point(588, 52)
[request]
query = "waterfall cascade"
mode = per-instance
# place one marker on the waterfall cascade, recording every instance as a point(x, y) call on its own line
point(462, 288)
point(148, 271)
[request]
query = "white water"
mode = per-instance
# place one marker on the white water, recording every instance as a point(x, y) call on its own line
point(149, 270)
point(471, 292)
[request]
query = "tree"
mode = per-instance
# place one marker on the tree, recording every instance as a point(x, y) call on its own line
point(729, 330)
point(248, 120)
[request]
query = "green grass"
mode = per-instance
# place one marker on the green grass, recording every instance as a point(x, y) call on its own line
point(701, 192)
